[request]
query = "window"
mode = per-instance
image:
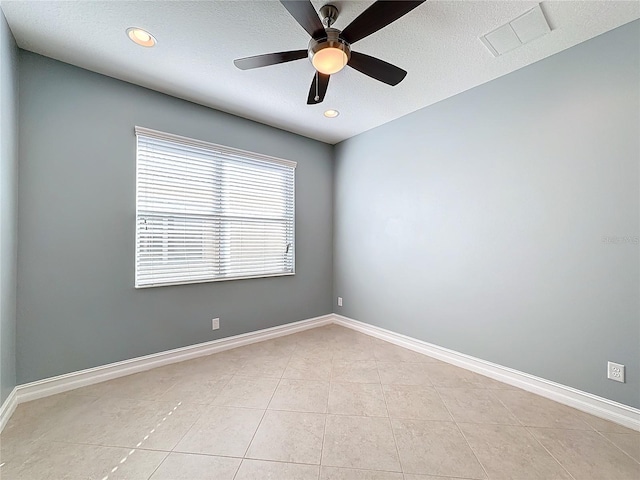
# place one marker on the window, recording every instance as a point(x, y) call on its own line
point(206, 212)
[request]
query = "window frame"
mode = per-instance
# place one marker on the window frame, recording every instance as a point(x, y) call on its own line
point(224, 150)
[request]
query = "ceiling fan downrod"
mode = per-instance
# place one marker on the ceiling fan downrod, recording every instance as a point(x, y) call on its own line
point(329, 14)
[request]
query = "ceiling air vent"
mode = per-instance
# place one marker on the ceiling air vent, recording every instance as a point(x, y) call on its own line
point(525, 28)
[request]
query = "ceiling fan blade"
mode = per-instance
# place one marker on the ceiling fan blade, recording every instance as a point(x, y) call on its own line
point(306, 16)
point(376, 68)
point(269, 59)
point(316, 95)
point(376, 17)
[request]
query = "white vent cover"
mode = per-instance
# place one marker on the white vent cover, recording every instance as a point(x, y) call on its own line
point(523, 29)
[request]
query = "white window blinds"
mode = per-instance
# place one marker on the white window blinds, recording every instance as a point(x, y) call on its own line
point(206, 212)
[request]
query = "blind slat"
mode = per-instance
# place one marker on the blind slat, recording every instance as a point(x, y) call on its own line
point(206, 212)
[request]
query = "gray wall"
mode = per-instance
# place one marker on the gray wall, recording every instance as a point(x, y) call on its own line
point(77, 307)
point(477, 223)
point(8, 206)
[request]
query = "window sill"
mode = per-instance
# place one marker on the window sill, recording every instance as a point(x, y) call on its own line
point(225, 279)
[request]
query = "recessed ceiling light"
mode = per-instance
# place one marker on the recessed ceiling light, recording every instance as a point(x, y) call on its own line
point(331, 113)
point(141, 37)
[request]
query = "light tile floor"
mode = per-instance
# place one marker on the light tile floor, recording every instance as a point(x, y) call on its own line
point(324, 404)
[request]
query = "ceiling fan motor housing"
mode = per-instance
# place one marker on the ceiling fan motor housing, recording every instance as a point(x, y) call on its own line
point(332, 40)
point(329, 15)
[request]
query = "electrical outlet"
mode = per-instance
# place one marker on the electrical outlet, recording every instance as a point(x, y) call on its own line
point(615, 371)
point(339, 301)
point(215, 324)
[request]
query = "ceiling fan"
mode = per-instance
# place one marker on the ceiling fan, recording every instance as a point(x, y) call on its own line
point(330, 49)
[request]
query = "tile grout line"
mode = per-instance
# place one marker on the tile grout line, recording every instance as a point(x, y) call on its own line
point(534, 437)
point(509, 410)
point(455, 422)
point(155, 469)
point(133, 450)
point(266, 409)
point(209, 405)
point(139, 445)
point(204, 409)
point(281, 462)
point(602, 434)
point(326, 416)
point(393, 433)
point(547, 450)
point(513, 415)
point(235, 474)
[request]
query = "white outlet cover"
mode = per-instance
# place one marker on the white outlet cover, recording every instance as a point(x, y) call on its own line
point(215, 324)
point(339, 301)
point(615, 371)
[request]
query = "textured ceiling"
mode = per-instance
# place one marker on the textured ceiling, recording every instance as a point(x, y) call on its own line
point(437, 44)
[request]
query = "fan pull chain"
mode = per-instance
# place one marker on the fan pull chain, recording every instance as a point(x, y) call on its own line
point(317, 99)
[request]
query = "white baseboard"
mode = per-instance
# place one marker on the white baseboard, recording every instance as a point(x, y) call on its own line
point(8, 407)
point(586, 402)
point(82, 378)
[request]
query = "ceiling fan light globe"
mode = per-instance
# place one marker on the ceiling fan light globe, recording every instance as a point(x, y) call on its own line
point(329, 55)
point(329, 60)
